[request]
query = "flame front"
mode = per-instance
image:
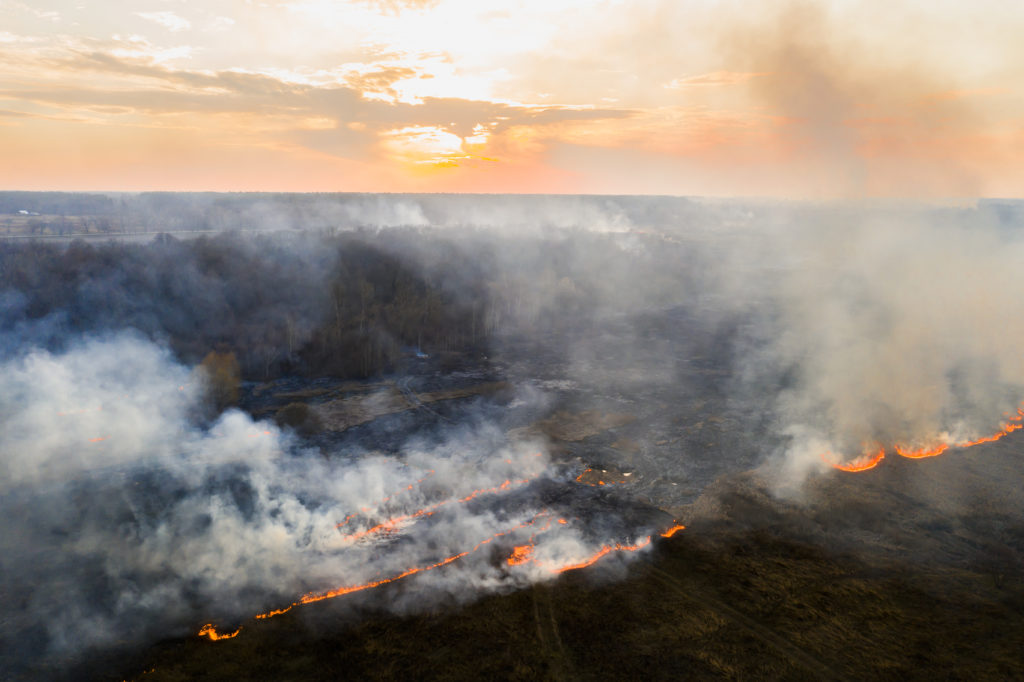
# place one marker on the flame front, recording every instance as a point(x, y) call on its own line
point(921, 453)
point(209, 631)
point(870, 461)
point(521, 554)
point(862, 463)
point(393, 522)
point(599, 554)
point(275, 612)
point(330, 594)
point(673, 530)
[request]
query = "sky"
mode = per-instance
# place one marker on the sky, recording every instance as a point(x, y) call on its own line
point(806, 100)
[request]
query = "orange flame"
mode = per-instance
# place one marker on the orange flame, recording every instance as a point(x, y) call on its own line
point(98, 439)
point(866, 462)
point(209, 631)
point(393, 522)
point(1005, 431)
point(579, 479)
point(862, 463)
point(922, 452)
point(599, 554)
point(382, 501)
point(520, 555)
point(673, 530)
point(330, 594)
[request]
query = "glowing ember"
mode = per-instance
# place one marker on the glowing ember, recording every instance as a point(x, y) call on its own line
point(593, 478)
point(209, 631)
point(520, 555)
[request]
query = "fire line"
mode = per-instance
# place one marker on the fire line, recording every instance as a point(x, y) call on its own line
point(870, 461)
point(430, 510)
point(521, 554)
point(209, 631)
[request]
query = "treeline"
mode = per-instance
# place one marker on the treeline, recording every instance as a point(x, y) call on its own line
point(304, 304)
point(57, 203)
point(192, 211)
point(348, 304)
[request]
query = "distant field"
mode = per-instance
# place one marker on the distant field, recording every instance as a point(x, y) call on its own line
point(59, 225)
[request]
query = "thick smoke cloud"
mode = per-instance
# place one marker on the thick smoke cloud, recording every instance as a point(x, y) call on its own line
point(127, 517)
point(861, 115)
point(876, 328)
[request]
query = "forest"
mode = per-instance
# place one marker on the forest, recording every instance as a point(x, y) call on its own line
point(346, 304)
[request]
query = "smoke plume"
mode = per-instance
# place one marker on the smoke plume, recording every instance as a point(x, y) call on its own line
point(127, 516)
point(663, 343)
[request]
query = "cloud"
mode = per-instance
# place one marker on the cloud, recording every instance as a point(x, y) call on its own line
point(47, 15)
point(713, 78)
point(159, 90)
point(219, 24)
point(832, 100)
point(169, 20)
point(378, 81)
point(395, 7)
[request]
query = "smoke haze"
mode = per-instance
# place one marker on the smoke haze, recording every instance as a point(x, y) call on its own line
point(703, 339)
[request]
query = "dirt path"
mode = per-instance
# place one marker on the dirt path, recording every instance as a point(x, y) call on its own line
point(549, 638)
point(414, 400)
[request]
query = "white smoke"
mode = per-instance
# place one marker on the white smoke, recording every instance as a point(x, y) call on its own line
point(125, 516)
point(890, 327)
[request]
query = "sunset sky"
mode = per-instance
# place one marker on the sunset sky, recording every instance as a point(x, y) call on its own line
point(683, 97)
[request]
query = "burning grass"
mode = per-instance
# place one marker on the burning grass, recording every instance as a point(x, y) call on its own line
point(867, 578)
point(720, 604)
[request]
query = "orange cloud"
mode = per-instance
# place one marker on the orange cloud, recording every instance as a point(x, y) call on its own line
point(752, 97)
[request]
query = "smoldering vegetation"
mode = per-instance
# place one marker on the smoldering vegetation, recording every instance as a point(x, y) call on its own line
point(335, 390)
